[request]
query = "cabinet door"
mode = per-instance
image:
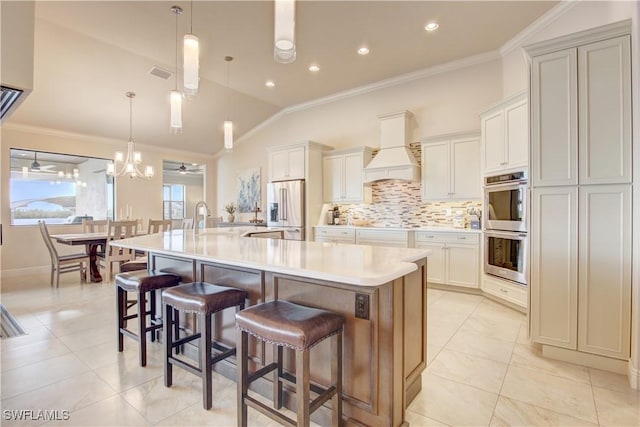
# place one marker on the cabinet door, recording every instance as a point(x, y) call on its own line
point(554, 119)
point(352, 176)
point(605, 270)
point(435, 262)
point(493, 142)
point(435, 171)
point(278, 165)
point(554, 271)
point(333, 178)
point(465, 169)
point(295, 163)
point(517, 135)
point(462, 265)
point(605, 111)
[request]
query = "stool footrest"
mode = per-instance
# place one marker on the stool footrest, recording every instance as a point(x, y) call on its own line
point(184, 365)
point(272, 413)
point(323, 397)
point(223, 355)
point(185, 340)
point(291, 380)
point(261, 372)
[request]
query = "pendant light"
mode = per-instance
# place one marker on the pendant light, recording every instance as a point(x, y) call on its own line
point(228, 124)
point(129, 165)
point(284, 50)
point(176, 96)
point(191, 60)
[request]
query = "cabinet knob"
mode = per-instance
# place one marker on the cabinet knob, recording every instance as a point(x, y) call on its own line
point(462, 237)
point(504, 291)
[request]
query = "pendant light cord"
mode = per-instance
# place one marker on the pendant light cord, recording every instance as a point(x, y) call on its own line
point(177, 51)
point(191, 25)
point(131, 118)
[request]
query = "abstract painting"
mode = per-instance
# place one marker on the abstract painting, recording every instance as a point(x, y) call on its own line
point(248, 190)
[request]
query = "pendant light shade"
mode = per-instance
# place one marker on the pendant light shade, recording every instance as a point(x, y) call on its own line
point(176, 97)
point(228, 135)
point(191, 64)
point(176, 111)
point(284, 50)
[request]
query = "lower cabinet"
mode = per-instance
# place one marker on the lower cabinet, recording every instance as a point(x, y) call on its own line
point(505, 290)
point(393, 238)
point(454, 259)
point(335, 234)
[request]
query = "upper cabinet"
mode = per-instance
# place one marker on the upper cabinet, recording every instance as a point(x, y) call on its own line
point(451, 167)
point(505, 135)
point(287, 163)
point(581, 114)
point(343, 176)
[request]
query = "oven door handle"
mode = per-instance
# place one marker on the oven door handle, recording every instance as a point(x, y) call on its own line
point(506, 185)
point(505, 234)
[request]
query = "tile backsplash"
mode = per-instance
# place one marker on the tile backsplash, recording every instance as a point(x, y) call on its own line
point(399, 204)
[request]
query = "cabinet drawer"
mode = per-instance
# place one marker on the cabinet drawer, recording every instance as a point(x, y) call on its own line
point(506, 291)
point(428, 236)
point(384, 235)
point(346, 233)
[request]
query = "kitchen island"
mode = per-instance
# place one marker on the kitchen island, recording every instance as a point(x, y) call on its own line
point(380, 291)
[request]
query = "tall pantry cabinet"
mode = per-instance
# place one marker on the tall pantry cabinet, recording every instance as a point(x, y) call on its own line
point(581, 192)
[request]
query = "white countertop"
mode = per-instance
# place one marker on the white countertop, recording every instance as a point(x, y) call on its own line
point(435, 228)
point(345, 263)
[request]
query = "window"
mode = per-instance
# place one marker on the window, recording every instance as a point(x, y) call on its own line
point(58, 188)
point(173, 201)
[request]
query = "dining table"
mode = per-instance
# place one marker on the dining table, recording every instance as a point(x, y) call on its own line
point(91, 241)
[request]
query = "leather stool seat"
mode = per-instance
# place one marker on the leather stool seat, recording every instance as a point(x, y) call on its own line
point(135, 265)
point(285, 324)
point(142, 283)
point(203, 299)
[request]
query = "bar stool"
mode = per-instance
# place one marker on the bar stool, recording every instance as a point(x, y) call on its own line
point(285, 324)
point(204, 299)
point(140, 282)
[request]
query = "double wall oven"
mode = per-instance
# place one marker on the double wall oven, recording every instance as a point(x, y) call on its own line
point(505, 226)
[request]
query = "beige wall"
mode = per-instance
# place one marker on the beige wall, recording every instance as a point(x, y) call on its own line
point(23, 249)
point(442, 103)
point(194, 190)
point(17, 44)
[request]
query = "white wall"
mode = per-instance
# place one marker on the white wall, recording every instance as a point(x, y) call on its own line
point(23, 249)
point(443, 103)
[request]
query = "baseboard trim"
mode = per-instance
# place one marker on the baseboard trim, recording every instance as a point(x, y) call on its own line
point(634, 376)
point(586, 359)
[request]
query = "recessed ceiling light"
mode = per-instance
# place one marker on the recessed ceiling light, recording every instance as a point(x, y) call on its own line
point(270, 83)
point(363, 50)
point(314, 68)
point(431, 26)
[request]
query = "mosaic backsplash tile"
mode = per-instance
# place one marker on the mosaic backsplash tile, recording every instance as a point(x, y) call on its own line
point(399, 204)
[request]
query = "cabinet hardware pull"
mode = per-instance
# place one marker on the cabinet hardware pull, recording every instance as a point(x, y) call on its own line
point(462, 237)
point(503, 291)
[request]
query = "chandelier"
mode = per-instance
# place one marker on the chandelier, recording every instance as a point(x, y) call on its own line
point(128, 165)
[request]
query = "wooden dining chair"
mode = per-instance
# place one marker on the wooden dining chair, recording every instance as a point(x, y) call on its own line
point(64, 263)
point(187, 223)
point(94, 225)
point(158, 226)
point(117, 230)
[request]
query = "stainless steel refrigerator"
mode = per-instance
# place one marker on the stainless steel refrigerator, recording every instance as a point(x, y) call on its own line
point(285, 204)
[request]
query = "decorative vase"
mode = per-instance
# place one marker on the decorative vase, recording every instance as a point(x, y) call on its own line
point(231, 218)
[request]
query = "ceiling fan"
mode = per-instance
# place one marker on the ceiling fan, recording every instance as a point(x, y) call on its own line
point(37, 167)
point(183, 170)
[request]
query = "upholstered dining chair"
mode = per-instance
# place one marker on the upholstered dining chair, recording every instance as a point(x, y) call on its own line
point(64, 263)
point(117, 230)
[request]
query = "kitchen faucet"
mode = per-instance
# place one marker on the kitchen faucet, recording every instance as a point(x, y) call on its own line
point(196, 214)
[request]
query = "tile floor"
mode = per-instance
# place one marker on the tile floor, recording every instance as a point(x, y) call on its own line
point(482, 369)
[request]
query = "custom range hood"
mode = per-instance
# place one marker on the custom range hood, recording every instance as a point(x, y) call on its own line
point(394, 160)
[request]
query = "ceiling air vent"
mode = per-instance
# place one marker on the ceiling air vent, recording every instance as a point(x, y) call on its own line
point(159, 72)
point(7, 99)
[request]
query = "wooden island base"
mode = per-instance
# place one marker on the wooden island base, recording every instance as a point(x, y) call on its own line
point(385, 338)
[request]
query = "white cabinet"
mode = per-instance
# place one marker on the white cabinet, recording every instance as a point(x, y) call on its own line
point(451, 167)
point(335, 234)
point(377, 237)
point(287, 163)
point(505, 135)
point(505, 290)
point(581, 205)
point(455, 257)
point(343, 176)
point(581, 114)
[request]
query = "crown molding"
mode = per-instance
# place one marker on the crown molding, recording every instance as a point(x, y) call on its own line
point(520, 39)
point(383, 84)
point(116, 143)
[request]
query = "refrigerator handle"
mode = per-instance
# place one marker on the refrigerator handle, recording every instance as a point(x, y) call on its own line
point(283, 203)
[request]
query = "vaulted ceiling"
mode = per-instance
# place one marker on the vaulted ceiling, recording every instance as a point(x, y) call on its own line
point(89, 53)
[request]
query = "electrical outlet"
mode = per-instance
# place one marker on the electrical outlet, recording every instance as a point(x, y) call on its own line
point(362, 306)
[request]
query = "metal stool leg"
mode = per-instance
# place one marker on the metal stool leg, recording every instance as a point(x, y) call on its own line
point(168, 344)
